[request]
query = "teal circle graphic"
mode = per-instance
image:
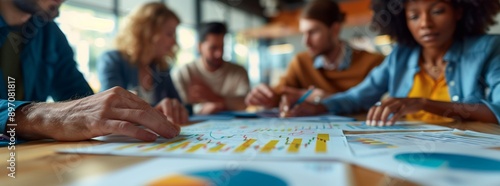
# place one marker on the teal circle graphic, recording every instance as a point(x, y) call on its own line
point(450, 161)
point(226, 177)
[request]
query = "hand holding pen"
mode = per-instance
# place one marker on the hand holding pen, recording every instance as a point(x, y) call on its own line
point(301, 107)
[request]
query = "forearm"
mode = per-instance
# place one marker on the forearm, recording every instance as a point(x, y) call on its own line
point(41, 120)
point(462, 111)
point(29, 125)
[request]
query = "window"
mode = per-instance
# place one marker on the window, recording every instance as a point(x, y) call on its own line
point(90, 32)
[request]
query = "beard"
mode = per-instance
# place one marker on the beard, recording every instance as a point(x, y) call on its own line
point(215, 63)
point(32, 7)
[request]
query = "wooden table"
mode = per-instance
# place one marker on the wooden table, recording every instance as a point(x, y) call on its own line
point(38, 164)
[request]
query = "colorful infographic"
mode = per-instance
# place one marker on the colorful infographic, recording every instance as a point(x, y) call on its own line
point(241, 140)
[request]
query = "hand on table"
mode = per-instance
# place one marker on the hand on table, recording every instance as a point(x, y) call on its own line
point(115, 111)
point(388, 111)
point(174, 110)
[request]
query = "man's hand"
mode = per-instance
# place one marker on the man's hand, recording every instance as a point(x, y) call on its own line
point(316, 95)
point(174, 110)
point(199, 92)
point(211, 108)
point(262, 95)
point(115, 111)
point(303, 109)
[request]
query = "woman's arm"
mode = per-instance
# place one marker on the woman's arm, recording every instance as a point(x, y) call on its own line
point(391, 109)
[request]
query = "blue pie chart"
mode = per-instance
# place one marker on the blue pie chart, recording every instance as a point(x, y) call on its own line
point(450, 161)
point(219, 177)
point(238, 178)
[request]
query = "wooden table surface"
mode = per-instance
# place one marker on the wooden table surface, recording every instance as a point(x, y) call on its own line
point(39, 164)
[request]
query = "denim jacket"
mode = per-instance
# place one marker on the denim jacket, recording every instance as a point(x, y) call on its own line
point(48, 67)
point(114, 70)
point(472, 75)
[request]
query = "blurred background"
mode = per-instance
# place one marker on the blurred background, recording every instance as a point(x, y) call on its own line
point(263, 34)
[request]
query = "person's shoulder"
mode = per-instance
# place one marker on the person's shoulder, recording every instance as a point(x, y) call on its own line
point(480, 43)
point(402, 51)
point(113, 56)
point(186, 69)
point(51, 26)
point(375, 57)
point(303, 56)
point(49, 31)
point(188, 66)
point(234, 67)
point(357, 51)
point(112, 53)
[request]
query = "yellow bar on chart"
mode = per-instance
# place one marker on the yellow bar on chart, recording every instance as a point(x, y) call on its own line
point(195, 148)
point(183, 144)
point(216, 148)
point(324, 136)
point(295, 145)
point(321, 143)
point(163, 145)
point(244, 146)
point(269, 146)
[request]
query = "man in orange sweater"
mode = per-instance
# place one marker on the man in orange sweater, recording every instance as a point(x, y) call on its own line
point(329, 65)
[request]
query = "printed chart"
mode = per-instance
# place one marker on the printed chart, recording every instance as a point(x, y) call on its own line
point(399, 126)
point(373, 143)
point(241, 140)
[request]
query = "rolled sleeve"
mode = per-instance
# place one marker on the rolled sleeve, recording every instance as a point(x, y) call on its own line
point(4, 112)
point(364, 95)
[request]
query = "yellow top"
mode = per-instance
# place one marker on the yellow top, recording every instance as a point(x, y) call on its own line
point(424, 86)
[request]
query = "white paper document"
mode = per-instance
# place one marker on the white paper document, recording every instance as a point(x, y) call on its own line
point(366, 144)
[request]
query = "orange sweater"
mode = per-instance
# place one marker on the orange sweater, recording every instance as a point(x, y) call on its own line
point(301, 73)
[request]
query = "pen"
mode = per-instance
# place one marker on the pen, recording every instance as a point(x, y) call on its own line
point(303, 98)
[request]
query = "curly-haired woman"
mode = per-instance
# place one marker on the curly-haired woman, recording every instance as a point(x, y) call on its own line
point(443, 68)
point(139, 62)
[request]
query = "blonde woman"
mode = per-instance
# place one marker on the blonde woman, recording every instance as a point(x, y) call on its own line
point(139, 62)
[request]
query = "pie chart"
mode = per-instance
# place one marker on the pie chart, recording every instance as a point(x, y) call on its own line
point(450, 161)
point(222, 177)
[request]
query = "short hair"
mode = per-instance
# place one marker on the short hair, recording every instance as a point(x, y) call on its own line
point(205, 29)
point(134, 39)
point(390, 18)
point(325, 11)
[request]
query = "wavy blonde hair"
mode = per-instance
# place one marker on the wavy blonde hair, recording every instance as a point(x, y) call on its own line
point(135, 39)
